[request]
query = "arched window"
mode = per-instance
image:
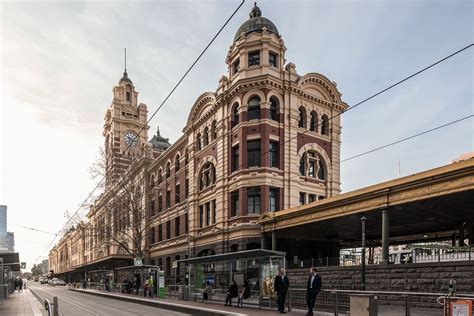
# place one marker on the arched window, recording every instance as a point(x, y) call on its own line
point(253, 111)
point(176, 163)
point(207, 176)
point(198, 141)
point(234, 248)
point(127, 96)
point(205, 137)
point(274, 108)
point(213, 130)
point(302, 121)
point(235, 114)
point(321, 171)
point(312, 165)
point(313, 121)
point(303, 165)
point(152, 181)
point(160, 177)
point(325, 125)
point(168, 170)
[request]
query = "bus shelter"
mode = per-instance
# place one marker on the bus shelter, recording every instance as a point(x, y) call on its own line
point(257, 267)
point(132, 278)
point(96, 278)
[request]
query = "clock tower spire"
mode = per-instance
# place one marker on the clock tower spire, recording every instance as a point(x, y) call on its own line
point(125, 129)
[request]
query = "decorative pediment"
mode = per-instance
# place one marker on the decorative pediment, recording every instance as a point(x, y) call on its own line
point(202, 105)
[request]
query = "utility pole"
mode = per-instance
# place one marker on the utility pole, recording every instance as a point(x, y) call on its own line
point(362, 265)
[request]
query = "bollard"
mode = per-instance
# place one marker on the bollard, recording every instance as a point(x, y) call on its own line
point(407, 306)
point(56, 307)
point(336, 304)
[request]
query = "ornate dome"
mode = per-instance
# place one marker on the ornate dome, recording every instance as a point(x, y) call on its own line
point(125, 77)
point(255, 24)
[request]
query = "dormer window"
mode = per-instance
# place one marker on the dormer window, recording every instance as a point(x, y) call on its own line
point(272, 59)
point(254, 58)
point(236, 66)
point(127, 96)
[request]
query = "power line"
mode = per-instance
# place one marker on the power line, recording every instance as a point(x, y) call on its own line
point(30, 228)
point(154, 113)
point(407, 138)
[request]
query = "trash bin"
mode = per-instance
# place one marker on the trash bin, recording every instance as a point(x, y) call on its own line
point(363, 305)
point(183, 292)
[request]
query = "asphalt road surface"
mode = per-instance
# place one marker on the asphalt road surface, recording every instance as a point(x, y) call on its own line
point(74, 303)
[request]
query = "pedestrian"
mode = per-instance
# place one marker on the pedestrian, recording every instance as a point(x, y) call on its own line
point(145, 287)
point(205, 291)
point(151, 286)
point(20, 285)
point(84, 284)
point(107, 284)
point(281, 287)
point(313, 288)
point(244, 294)
point(16, 284)
point(231, 293)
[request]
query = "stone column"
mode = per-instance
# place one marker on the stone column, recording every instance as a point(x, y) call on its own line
point(385, 236)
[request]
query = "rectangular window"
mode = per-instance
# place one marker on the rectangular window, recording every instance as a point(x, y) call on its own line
point(272, 59)
point(236, 66)
point(176, 194)
point(168, 199)
point(214, 212)
point(254, 58)
point(253, 112)
point(168, 229)
point(253, 200)
point(160, 203)
point(208, 214)
point(273, 154)
point(253, 153)
point(177, 224)
point(311, 198)
point(302, 198)
point(186, 188)
point(186, 223)
point(201, 215)
point(273, 199)
point(152, 207)
point(152, 235)
point(235, 159)
point(160, 232)
point(234, 204)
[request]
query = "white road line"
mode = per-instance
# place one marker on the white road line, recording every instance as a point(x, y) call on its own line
point(79, 306)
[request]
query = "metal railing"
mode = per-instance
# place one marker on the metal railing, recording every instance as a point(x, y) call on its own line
point(405, 296)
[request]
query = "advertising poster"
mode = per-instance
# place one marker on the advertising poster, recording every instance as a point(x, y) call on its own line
point(268, 273)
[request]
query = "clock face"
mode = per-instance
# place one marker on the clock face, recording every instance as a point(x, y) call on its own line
point(131, 139)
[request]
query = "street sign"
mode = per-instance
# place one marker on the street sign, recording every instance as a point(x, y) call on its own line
point(138, 261)
point(23, 265)
point(174, 265)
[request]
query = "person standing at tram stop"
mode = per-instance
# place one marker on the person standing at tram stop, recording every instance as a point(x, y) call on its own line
point(313, 288)
point(281, 285)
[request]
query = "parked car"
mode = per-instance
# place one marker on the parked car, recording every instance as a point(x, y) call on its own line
point(60, 282)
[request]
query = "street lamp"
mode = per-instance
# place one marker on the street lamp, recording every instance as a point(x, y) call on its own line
point(362, 266)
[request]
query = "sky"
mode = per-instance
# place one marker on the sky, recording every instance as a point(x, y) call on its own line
point(61, 59)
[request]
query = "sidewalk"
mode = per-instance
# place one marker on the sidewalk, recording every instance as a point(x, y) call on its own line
point(21, 304)
point(209, 308)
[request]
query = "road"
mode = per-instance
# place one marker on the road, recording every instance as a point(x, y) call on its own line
point(74, 303)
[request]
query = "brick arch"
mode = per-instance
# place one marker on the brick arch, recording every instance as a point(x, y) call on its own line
point(250, 94)
point(320, 150)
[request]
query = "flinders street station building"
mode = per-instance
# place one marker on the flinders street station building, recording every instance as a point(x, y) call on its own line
point(263, 141)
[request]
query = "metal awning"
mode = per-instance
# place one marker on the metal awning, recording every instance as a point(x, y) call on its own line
point(246, 254)
point(145, 266)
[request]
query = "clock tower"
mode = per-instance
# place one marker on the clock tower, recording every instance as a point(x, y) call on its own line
point(125, 129)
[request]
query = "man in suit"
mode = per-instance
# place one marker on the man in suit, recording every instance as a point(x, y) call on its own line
point(312, 289)
point(281, 285)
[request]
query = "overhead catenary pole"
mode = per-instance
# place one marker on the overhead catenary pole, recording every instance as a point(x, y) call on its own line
point(362, 265)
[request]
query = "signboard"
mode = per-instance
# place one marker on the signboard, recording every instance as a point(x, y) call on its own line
point(137, 261)
point(461, 308)
point(23, 265)
point(161, 284)
point(175, 265)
